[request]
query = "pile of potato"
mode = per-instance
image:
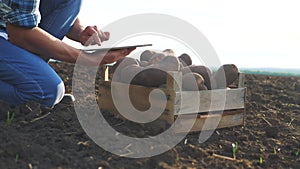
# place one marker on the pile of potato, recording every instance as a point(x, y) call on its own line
point(151, 71)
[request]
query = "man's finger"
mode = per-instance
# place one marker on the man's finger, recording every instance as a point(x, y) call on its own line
point(93, 40)
point(106, 36)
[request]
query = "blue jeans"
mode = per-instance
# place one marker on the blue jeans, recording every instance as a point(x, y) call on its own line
point(26, 77)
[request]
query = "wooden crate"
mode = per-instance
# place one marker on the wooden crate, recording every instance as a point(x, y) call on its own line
point(210, 103)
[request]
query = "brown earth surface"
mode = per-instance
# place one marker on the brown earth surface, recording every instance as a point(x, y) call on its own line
point(55, 138)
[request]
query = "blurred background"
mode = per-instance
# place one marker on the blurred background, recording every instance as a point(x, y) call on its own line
point(255, 35)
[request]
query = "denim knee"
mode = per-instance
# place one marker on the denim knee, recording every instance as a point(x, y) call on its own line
point(51, 93)
point(47, 95)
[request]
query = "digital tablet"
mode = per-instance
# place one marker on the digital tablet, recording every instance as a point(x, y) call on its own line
point(99, 48)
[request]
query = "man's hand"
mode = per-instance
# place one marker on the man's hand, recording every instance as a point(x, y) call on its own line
point(92, 36)
point(92, 59)
point(113, 56)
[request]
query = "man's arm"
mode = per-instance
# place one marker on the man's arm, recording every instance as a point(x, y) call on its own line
point(76, 29)
point(46, 46)
point(41, 43)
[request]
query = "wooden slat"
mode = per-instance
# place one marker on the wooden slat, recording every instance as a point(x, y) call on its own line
point(229, 118)
point(186, 102)
point(210, 100)
point(174, 80)
point(241, 80)
point(139, 98)
point(174, 84)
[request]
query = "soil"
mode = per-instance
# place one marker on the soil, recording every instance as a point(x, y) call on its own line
point(42, 138)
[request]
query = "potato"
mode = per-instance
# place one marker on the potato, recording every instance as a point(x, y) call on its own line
point(181, 66)
point(151, 76)
point(226, 75)
point(120, 65)
point(193, 82)
point(156, 58)
point(167, 63)
point(185, 59)
point(129, 72)
point(155, 75)
point(123, 62)
point(146, 55)
point(169, 52)
point(144, 63)
point(204, 71)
